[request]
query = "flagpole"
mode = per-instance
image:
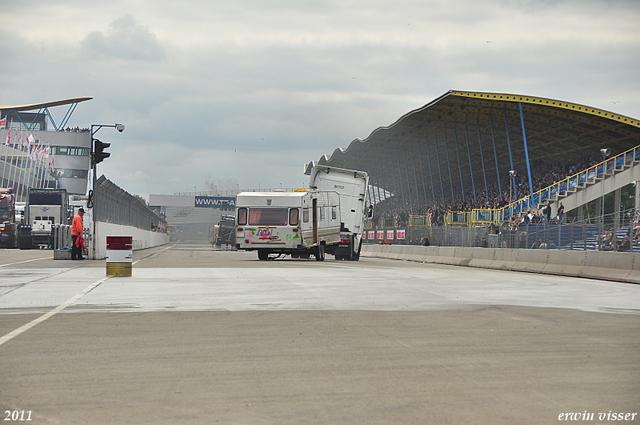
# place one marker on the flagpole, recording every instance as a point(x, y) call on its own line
point(32, 161)
point(14, 156)
point(10, 179)
point(4, 160)
point(23, 170)
point(25, 157)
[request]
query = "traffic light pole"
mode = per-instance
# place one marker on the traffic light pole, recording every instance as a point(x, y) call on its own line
point(94, 161)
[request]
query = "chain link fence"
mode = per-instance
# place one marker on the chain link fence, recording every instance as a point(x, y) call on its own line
point(111, 204)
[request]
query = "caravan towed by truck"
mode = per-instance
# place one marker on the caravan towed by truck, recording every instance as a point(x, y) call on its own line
point(327, 218)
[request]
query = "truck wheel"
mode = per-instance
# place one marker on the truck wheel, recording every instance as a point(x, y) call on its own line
point(263, 255)
point(320, 253)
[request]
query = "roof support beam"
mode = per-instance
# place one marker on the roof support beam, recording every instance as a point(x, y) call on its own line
point(495, 154)
point(513, 178)
point(526, 151)
point(424, 186)
point(473, 183)
point(433, 192)
point(446, 145)
point(455, 135)
point(435, 139)
point(406, 168)
point(415, 178)
point(484, 173)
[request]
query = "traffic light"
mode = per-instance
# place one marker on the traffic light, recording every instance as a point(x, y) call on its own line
point(98, 152)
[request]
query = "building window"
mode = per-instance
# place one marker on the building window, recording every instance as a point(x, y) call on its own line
point(71, 151)
point(70, 173)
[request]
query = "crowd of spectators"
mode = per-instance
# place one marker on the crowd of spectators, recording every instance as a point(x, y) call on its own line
point(75, 129)
point(543, 175)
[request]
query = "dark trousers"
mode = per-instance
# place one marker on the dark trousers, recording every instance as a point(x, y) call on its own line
point(76, 251)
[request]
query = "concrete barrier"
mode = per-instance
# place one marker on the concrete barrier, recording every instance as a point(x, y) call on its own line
point(463, 256)
point(505, 259)
point(446, 255)
point(617, 266)
point(482, 257)
point(532, 260)
point(565, 262)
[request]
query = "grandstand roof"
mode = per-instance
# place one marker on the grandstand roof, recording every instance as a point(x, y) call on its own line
point(35, 106)
point(457, 132)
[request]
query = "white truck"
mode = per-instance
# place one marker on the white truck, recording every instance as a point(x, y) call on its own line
point(326, 218)
point(45, 209)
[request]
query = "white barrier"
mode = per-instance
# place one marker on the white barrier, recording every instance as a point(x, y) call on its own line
point(141, 238)
point(618, 266)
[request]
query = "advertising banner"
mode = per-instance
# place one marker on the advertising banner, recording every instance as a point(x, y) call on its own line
point(400, 234)
point(380, 234)
point(372, 234)
point(389, 234)
point(220, 202)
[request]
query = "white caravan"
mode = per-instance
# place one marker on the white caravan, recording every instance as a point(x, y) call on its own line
point(298, 223)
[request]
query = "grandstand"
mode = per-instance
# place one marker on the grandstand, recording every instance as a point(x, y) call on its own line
point(493, 156)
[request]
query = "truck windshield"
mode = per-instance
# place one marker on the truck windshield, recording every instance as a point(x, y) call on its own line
point(268, 216)
point(4, 213)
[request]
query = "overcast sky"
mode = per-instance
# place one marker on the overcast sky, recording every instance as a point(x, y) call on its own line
point(243, 93)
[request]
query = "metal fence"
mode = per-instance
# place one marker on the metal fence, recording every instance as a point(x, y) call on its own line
point(111, 204)
point(573, 236)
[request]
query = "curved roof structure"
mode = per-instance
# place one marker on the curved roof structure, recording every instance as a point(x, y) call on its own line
point(468, 141)
point(35, 106)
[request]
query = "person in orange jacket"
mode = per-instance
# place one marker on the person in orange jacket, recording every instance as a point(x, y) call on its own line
point(76, 232)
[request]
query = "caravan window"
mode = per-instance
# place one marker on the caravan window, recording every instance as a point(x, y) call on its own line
point(268, 216)
point(334, 213)
point(293, 216)
point(305, 215)
point(242, 216)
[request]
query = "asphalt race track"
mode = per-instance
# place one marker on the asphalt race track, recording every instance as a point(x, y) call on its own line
point(198, 336)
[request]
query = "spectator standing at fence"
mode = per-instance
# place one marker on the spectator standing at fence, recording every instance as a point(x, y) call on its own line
point(76, 232)
point(547, 213)
point(560, 213)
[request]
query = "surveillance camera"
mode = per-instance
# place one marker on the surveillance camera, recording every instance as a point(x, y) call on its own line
point(605, 152)
point(120, 127)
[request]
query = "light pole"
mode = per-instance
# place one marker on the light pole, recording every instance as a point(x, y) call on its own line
point(512, 174)
point(97, 155)
point(605, 153)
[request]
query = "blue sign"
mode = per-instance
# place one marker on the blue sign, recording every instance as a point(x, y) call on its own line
point(222, 202)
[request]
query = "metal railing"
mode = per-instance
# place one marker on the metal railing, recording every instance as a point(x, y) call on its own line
point(487, 217)
point(570, 183)
point(577, 235)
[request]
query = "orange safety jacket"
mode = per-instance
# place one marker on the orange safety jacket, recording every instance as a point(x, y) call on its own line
point(76, 225)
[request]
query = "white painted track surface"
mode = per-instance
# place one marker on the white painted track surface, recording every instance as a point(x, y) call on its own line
point(205, 336)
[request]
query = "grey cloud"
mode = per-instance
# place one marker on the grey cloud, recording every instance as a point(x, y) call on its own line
point(126, 39)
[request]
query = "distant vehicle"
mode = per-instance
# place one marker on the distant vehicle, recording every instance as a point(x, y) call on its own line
point(226, 234)
point(8, 220)
point(45, 209)
point(327, 218)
